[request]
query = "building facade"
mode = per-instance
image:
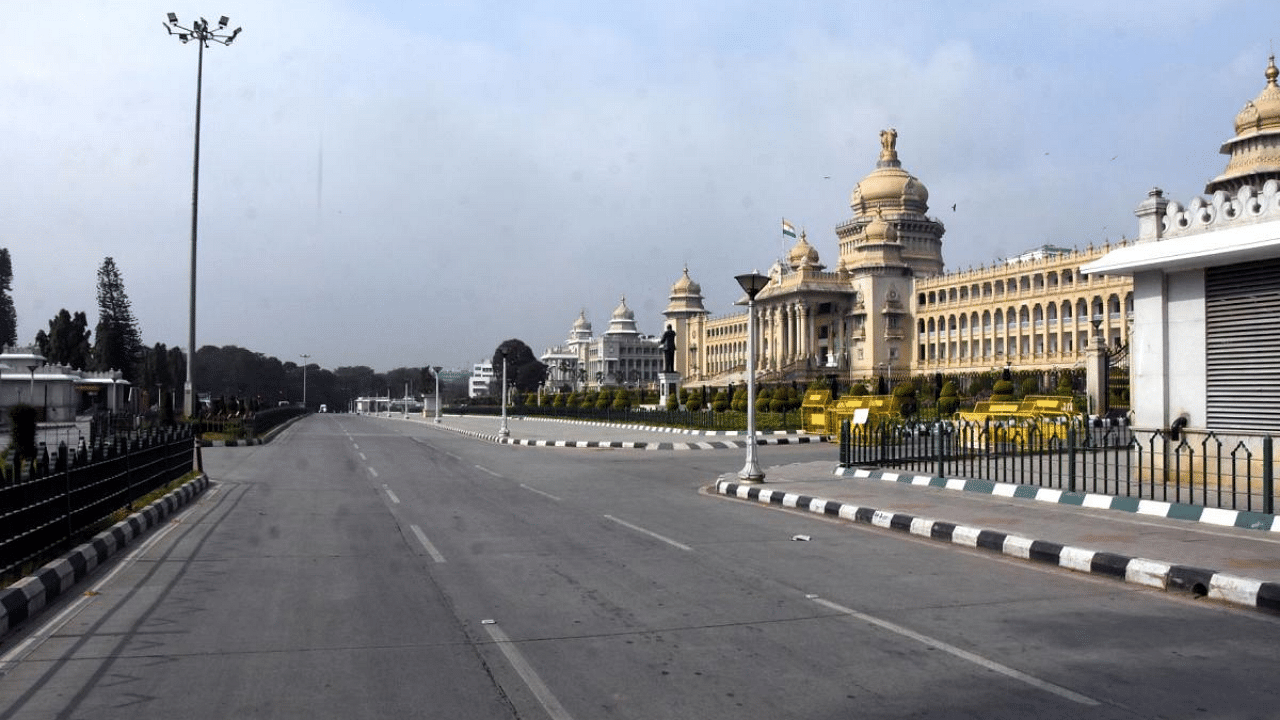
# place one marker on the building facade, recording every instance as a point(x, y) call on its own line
point(620, 357)
point(1206, 280)
point(888, 309)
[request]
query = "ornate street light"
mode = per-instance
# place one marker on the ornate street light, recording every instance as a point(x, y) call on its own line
point(203, 35)
point(752, 284)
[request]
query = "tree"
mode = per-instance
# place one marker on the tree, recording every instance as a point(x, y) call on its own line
point(67, 342)
point(523, 369)
point(119, 341)
point(8, 315)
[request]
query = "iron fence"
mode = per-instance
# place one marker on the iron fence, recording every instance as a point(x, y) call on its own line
point(57, 500)
point(1204, 468)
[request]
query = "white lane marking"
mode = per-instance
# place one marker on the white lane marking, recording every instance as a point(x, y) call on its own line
point(526, 673)
point(355, 445)
point(540, 492)
point(431, 549)
point(455, 457)
point(650, 533)
point(391, 494)
point(362, 457)
point(962, 654)
point(372, 472)
point(484, 469)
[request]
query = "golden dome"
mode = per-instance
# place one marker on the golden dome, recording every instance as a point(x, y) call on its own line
point(1263, 112)
point(1255, 149)
point(880, 231)
point(803, 255)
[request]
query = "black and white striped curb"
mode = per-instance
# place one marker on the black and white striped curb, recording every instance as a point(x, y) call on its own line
point(686, 431)
point(1156, 508)
point(1201, 582)
point(32, 593)
point(634, 445)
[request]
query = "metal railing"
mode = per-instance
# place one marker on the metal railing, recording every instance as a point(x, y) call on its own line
point(1202, 468)
point(54, 502)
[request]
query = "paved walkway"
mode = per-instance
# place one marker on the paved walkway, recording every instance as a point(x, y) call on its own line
point(1227, 556)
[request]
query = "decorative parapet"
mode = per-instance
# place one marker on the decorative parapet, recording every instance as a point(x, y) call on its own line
point(1247, 207)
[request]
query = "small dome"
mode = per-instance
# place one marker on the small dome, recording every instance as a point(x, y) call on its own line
point(1263, 112)
point(880, 231)
point(622, 312)
point(685, 286)
point(582, 323)
point(803, 255)
point(623, 321)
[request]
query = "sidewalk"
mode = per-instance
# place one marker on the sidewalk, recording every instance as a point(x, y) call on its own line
point(550, 432)
point(1148, 543)
point(1228, 556)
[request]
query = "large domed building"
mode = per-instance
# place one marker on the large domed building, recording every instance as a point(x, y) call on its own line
point(888, 309)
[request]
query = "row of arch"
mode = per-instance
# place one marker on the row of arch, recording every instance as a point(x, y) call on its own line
point(1079, 309)
point(1038, 282)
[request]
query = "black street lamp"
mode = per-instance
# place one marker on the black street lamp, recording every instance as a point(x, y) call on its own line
point(203, 35)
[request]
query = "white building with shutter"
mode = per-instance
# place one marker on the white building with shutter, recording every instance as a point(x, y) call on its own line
point(1205, 343)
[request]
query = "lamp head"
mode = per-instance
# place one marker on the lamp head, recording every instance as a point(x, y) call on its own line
point(752, 283)
point(173, 18)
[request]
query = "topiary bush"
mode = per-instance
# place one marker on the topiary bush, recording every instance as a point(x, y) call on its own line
point(904, 399)
point(948, 399)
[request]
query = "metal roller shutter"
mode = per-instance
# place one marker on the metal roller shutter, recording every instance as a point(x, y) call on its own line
point(1242, 337)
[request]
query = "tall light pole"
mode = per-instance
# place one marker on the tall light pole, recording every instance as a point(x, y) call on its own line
point(436, 371)
point(305, 358)
point(752, 283)
point(504, 431)
point(203, 35)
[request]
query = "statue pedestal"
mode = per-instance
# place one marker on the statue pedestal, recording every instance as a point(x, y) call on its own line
point(669, 382)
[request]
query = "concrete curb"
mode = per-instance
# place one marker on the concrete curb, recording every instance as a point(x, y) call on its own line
point(1156, 508)
point(1200, 582)
point(629, 445)
point(25, 598)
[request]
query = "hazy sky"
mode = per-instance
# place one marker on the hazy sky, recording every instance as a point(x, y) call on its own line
point(408, 183)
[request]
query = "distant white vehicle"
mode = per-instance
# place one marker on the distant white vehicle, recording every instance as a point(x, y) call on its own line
point(324, 408)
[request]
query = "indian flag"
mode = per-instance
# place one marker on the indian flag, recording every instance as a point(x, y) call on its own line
point(788, 229)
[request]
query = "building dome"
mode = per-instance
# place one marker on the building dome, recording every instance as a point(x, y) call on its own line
point(803, 255)
point(889, 186)
point(685, 286)
point(582, 324)
point(685, 298)
point(623, 321)
point(879, 231)
point(1263, 112)
point(1255, 150)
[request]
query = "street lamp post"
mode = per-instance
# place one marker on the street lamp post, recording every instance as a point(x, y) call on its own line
point(436, 371)
point(752, 284)
point(203, 35)
point(304, 380)
point(504, 431)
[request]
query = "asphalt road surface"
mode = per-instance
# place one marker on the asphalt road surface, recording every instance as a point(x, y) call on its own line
point(366, 568)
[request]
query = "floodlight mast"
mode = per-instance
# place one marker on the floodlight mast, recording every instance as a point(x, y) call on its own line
point(203, 35)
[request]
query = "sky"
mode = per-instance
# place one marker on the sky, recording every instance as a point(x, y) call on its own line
point(399, 184)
